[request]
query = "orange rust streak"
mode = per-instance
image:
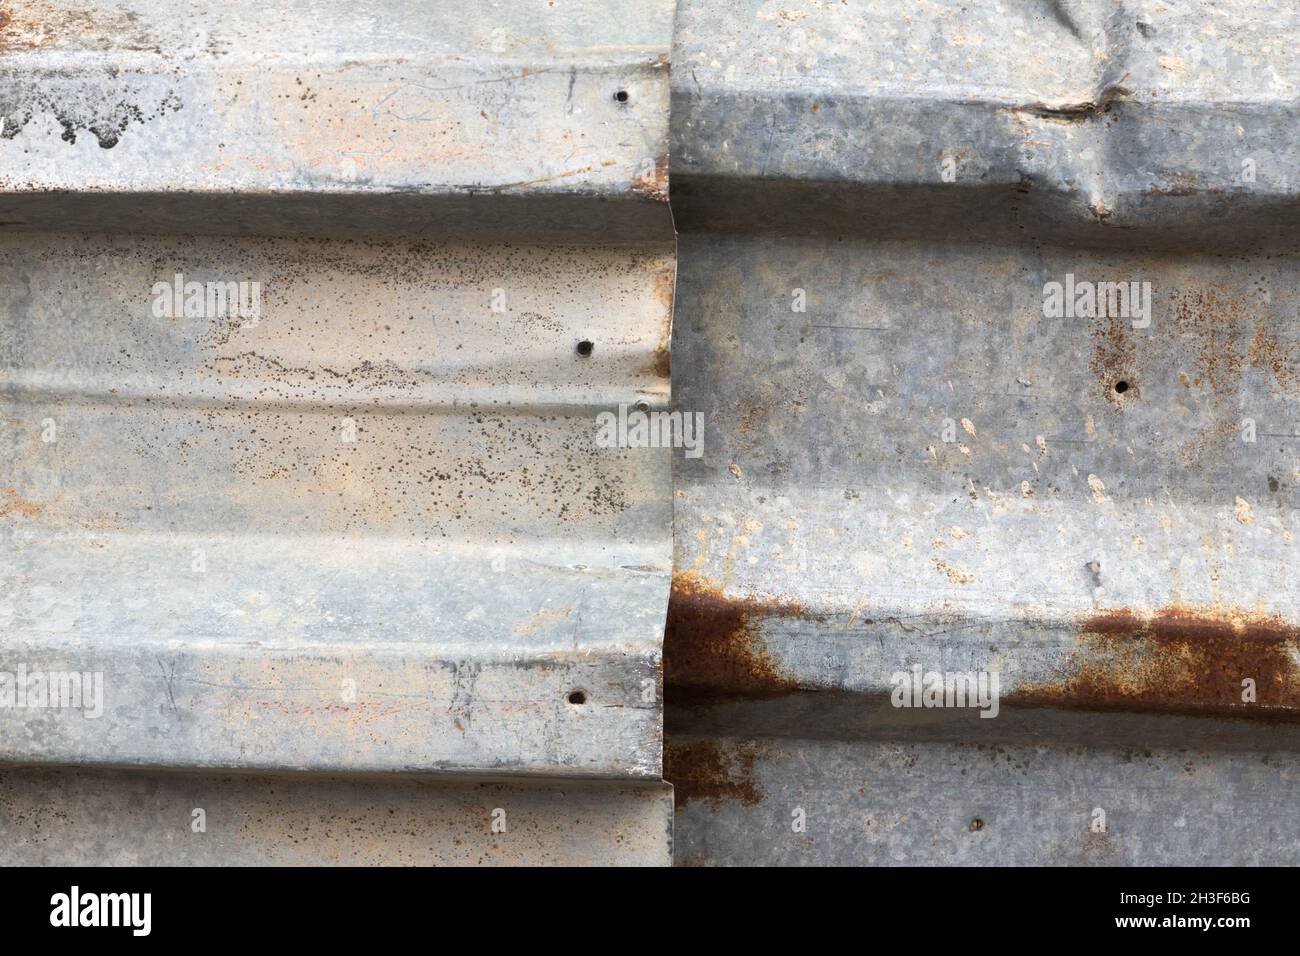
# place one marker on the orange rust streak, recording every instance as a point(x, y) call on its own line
point(1179, 660)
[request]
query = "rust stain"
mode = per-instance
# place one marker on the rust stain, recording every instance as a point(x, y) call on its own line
point(1074, 113)
point(661, 362)
point(711, 650)
point(34, 24)
point(12, 504)
point(665, 289)
point(1098, 845)
point(547, 619)
point(1178, 661)
point(653, 185)
point(705, 770)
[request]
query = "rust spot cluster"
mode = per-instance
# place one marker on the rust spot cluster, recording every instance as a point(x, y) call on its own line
point(711, 649)
point(1179, 183)
point(1178, 661)
point(1114, 359)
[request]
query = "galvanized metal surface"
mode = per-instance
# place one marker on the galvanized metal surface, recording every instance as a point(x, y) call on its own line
point(1095, 121)
point(75, 817)
point(903, 803)
point(906, 462)
point(337, 116)
point(368, 527)
point(909, 463)
point(200, 530)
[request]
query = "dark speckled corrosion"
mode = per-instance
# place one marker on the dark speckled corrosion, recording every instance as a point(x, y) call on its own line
point(1178, 661)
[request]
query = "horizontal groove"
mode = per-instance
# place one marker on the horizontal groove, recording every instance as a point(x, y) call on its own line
point(251, 398)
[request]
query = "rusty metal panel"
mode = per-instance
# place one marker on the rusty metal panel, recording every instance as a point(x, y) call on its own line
point(912, 463)
point(1061, 538)
point(358, 522)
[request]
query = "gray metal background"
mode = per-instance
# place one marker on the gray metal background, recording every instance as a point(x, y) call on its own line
point(919, 171)
point(440, 204)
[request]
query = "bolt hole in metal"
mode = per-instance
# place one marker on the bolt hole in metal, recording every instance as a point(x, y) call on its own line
point(585, 348)
point(1121, 386)
point(621, 96)
point(976, 824)
point(577, 698)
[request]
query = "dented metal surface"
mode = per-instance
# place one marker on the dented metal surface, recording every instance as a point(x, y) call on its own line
point(1031, 120)
point(914, 463)
point(360, 523)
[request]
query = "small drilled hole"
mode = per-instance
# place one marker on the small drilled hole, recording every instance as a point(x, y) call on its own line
point(577, 697)
point(1121, 387)
point(977, 824)
point(621, 96)
point(585, 348)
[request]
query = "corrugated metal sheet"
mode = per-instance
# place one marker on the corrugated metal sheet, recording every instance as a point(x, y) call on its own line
point(362, 525)
point(911, 465)
point(363, 548)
